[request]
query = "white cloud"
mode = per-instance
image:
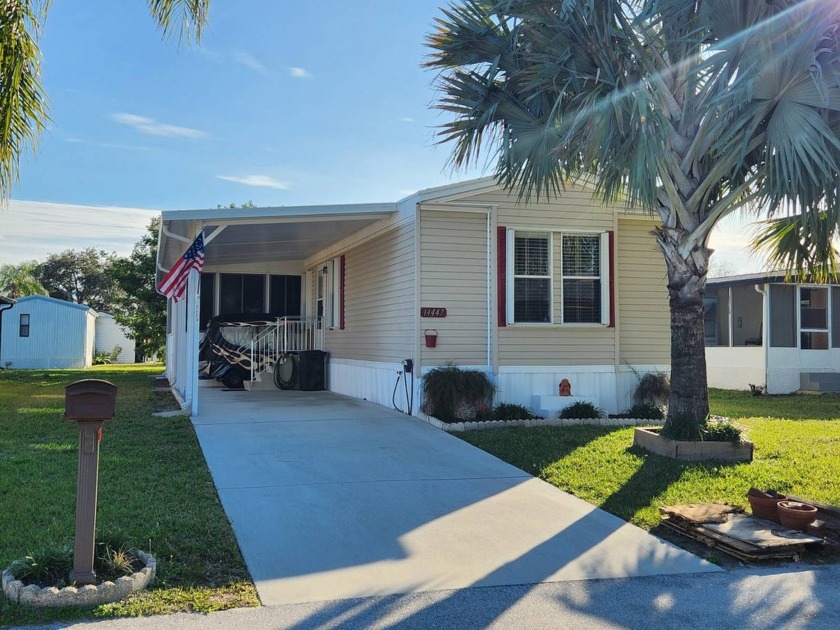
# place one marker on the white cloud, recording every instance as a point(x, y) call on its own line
point(260, 181)
point(299, 73)
point(407, 119)
point(150, 126)
point(249, 61)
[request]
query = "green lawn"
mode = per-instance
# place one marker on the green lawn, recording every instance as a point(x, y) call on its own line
point(797, 451)
point(154, 487)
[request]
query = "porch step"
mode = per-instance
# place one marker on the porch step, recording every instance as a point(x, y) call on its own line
point(819, 381)
point(548, 406)
point(263, 382)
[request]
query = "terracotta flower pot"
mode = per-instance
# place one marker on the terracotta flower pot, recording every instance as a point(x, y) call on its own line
point(796, 515)
point(765, 506)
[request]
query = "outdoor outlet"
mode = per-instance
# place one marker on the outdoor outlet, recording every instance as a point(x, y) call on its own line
point(408, 366)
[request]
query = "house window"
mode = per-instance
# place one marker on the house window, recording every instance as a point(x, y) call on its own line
point(242, 293)
point(556, 277)
point(24, 324)
point(813, 318)
point(581, 269)
point(532, 278)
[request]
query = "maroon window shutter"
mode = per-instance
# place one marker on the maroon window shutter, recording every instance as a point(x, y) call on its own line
point(341, 296)
point(501, 274)
point(611, 253)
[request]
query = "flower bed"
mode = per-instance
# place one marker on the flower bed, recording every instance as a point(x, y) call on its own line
point(89, 595)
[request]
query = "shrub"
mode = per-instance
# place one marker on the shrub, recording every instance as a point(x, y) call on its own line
point(644, 411)
point(48, 566)
point(721, 432)
point(683, 429)
point(653, 388)
point(509, 411)
point(582, 410)
point(453, 395)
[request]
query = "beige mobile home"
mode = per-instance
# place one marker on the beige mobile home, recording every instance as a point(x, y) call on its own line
point(532, 292)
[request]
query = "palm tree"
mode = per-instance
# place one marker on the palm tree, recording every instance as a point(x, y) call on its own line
point(18, 281)
point(23, 102)
point(690, 109)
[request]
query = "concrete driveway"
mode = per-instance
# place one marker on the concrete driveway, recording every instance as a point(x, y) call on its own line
point(332, 497)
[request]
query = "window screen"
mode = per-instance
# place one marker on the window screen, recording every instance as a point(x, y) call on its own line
point(285, 296)
point(813, 318)
point(782, 316)
point(532, 278)
point(241, 293)
point(581, 278)
point(835, 317)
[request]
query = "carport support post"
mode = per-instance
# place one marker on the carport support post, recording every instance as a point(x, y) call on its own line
point(86, 491)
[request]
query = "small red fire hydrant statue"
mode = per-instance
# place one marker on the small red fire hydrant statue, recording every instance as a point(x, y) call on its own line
point(565, 387)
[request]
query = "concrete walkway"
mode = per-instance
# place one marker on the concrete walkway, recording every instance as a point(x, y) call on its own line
point(332, 497)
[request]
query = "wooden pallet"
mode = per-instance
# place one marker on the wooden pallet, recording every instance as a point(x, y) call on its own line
point(747, 538)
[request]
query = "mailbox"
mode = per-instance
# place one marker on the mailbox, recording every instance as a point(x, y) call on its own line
point(90, 399)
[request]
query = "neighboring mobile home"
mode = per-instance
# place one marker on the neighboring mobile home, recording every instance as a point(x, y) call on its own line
point(109, 334)
point(764, 331)
point(43, 332)
point(530, 292)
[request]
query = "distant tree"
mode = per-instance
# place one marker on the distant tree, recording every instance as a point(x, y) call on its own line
point(17, 281)
point(23, 102)
point(234, 206)
point(79, 276)
point(140, 308)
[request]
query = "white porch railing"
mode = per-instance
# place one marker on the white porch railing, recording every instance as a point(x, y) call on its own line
point(288, 335)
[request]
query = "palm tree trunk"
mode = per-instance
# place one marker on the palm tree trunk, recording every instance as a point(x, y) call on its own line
point(689, 402)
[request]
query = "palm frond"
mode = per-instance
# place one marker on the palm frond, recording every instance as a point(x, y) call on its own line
point(799, 245)
point(23, 102)
point(186, 17)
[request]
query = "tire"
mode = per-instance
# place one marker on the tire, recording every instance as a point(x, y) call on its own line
point(286, 372)
point(233, 379)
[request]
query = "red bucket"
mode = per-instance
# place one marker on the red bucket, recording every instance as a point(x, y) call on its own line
point(431, 338)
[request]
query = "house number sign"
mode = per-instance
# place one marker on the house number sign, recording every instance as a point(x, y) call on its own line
point(432, 311)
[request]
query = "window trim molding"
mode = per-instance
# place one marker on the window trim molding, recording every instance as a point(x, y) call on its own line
point(28, 325)
point(605, 277)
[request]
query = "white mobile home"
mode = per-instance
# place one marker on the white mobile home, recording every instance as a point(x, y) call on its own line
point(109, 334)
point(530, 292)
point(43, 332)
point(764, 331)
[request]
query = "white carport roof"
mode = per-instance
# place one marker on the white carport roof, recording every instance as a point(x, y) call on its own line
point(263, 234)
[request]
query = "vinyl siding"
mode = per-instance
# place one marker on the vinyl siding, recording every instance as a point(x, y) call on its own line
point(643, 314)
point(453, 276)
point(58, 335)
point(575, 209)
point(535, 344)
point(109, 334)
point(378, 300)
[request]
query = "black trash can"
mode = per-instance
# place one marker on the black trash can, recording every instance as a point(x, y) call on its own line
point(312, 370)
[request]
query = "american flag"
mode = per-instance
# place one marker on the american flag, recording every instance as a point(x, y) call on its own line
point(174, 283)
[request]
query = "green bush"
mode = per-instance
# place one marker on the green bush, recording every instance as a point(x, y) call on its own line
point(581, 410)
point(45, 567)
point(451, 394)
point(509, 411)
point(643, 411)
point(721, 432)
point(653, 388)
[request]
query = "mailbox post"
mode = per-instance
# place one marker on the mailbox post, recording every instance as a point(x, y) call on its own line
point(89, 402)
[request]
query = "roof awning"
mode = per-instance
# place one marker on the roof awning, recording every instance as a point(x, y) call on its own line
point(263, 234)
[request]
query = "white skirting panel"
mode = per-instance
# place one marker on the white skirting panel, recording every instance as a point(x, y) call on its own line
point(369, 380)
point(612, 389)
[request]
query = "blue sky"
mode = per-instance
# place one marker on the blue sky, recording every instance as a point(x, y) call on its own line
point(284, 103)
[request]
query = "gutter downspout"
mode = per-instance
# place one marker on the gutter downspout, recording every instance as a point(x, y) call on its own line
point(3, 307)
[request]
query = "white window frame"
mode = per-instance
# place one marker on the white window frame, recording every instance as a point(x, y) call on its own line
point(828, 315)
point(510, 248)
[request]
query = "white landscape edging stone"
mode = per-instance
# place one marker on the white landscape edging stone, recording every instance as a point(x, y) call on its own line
point(88, 595)
point(484, 425)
